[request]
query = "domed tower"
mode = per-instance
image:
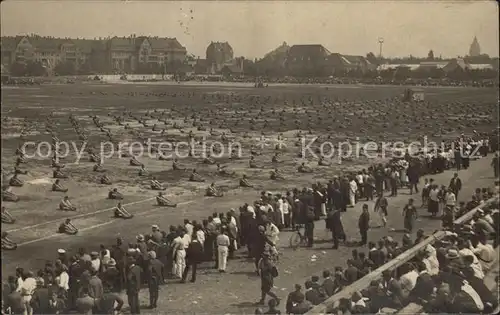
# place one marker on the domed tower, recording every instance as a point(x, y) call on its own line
point(475, 49)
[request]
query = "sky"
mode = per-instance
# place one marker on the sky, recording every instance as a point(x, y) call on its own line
point(253, 28)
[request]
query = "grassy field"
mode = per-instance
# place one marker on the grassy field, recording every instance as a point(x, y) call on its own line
point(244, 114)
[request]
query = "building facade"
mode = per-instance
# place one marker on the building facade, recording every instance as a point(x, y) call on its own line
point(104, 55)
point(218, 55)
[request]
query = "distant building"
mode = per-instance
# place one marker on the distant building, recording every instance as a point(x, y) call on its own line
point(218, 55)
point(307, 60)
point(474, 49)
point(340, 64)
point(16, 49)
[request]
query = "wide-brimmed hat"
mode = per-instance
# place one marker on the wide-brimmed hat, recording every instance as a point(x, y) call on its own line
point(140, 237)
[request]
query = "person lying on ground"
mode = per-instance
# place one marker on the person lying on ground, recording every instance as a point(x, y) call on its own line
point(105, 180)
point(121, 212)
point(163, 201)
point(135, 162)
point(56, 186)
point(176, 166)
point(67, 228)
point(222, 170)
point(195, 177)
point(66, 205)
point(55, 162)
point(252, 163)
point(7, 243)
point(235, 154)
point(58, 173)
point(276, 175)
point(156, 185)
point(143, 171)
point(99, 168)
point(244, 182)
point(6, 217)
point(15, 181)
point(303, 168)
point(115, 194)
point(7, 195)
point(213, 191)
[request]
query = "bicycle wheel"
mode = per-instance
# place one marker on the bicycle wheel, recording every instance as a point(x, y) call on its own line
point(295, 240)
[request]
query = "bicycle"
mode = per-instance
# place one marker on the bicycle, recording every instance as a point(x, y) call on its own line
point(297, 238)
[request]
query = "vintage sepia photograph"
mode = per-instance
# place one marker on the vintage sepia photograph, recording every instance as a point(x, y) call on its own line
point(250, 157)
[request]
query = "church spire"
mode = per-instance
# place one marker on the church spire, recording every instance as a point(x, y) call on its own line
point(475, 49)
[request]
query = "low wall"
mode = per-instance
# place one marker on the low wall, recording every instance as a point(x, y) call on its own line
point(364, 282)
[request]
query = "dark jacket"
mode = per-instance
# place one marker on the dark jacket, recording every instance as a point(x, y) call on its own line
point(328, 286)
point(194, 254)
point(313, 296)
point(134, 280)
point(107, 303)
point(40, 301)
point(293, 298)
point(364, 221)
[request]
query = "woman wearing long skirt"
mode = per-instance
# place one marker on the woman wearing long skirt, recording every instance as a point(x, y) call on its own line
point(409, 214)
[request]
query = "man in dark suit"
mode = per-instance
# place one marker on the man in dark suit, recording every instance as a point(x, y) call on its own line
point(155, 277)
point(328, 285)
point(424, 286)
point(364, 224)
point(194, 256)
point(312, 295)
point(40, 299)
point(455, 185)
point(351, 273)
point(294, 298)
point(106, 304)
point(393, 290)
point(133, 286)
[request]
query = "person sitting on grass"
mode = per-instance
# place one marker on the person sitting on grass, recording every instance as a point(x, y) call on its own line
point(156, 185)
point(252, 163)
point(176, 166)
point(15, 181)
point(104, 180)
point(209, 160)
point(115, 194)
point(235, 154)
point(7, 195)
point(195, 177)
point(303, 168)
point(323, 162)
point(244, 182)
point(67, 228)
point(6, 217)
point(276, 175)
point(66, 205)
point(93, 158)
point(122, 213)
point(7, 243)
point(55, 162)
point(19, 171)
point(135, 162)
point(20, 160)
point(99, 168)
point(143, 171)
point(56, 186)
point(275, 158)
point(213, 191)
point(222, 170)
point(58, 173)
point(163, 201)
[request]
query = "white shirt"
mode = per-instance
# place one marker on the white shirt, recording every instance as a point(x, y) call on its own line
point(409, 280)
point(96, 264)
point(186, 240)
point(353, 186)
point(478, 270)
point(432, 264)
point(450, 199)
point(28, 287)
point(217, 220)
point(272, 232)
point(63, 280)
point(433, 195)
point(19, 284)
point(189, 228)
point(200, 235)
point(223, 240)
point(285, 207)
point(359, 178)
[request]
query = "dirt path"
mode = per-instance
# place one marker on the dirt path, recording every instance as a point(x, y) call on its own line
point(239, 288)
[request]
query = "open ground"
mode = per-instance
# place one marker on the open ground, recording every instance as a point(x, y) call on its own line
point(244, 114)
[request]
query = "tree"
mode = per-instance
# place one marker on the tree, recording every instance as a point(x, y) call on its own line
point(85, 68)
point(18, 69)
point(430, 55)
point(35, 69)
point(65, 68)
